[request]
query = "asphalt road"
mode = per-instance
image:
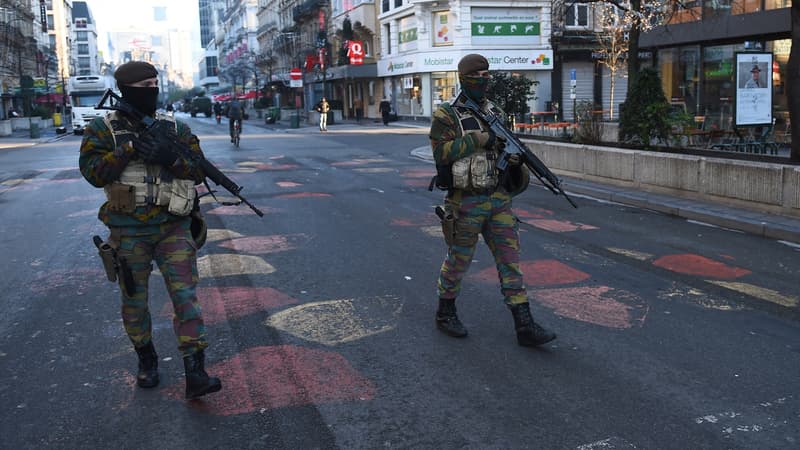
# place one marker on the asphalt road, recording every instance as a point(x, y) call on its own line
point(672, 334)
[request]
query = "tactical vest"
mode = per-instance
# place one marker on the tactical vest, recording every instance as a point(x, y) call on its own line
point(477, 171)
point(143, 184)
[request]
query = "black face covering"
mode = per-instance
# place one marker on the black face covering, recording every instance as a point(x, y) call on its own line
point(145, 99)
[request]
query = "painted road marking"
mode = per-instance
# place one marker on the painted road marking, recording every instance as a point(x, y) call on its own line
point(791, 244)
point(238, 210)
point(359, 162)
point(418, 173)
point(374, 169)
point(221, 304)
point(641, 256)
point(225, 264)
point(305, 195)
point(558, 226)
point(268, 378)
point(600, 305)
point(221, 234)
point(758, 292)
point(266, 244)
point(613, 442)
point(338, 321)
point(287, 184)
point(547, 272)
point(433, 230)
point(698, 297)
point(691, 264)
point(761, 418)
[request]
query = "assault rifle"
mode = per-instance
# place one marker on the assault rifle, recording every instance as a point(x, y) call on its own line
point(116, 103)
point(513, 146)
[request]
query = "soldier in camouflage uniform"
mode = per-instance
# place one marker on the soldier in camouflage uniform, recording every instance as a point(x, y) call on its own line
point(151, 199)
point(478, 202)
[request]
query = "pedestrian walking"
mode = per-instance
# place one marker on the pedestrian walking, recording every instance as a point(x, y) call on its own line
point(323, 107)
point(152, 214)
point(385, 108)
point(478, 202)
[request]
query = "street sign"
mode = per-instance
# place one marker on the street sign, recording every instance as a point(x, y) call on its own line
point(573, 74)
point(296, 78)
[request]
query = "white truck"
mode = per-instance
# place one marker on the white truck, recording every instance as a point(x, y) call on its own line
point(84, 93)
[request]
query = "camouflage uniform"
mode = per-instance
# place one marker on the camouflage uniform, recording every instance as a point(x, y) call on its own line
point(149, 233)
point(484, 212)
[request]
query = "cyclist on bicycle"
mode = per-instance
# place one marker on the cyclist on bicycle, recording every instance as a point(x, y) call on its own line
point(234, 114)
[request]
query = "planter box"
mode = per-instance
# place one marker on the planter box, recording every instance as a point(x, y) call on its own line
point(5, 128)
point(24, 123)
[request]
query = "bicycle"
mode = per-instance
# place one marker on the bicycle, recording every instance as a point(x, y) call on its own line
point(237, 131)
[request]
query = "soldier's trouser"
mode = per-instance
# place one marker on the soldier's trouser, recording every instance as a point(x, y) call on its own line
point(173, 249)
point(490, 216)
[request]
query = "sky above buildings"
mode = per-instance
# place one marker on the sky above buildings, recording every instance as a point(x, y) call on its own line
point(117, 16)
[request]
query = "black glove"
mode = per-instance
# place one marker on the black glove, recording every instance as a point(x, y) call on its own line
point(155, 150)
point(514, 160)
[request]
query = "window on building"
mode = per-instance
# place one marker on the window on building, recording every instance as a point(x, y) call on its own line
point(385, 5)
point(80, 23)
point(52, 40)
point(83, 49)
point(577, 16)
point(81, 36)
point(211, 66)
point(398, 3)
point(387, 30)
point(50, 24)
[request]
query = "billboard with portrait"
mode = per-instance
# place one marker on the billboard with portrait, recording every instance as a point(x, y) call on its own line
point(753, 89)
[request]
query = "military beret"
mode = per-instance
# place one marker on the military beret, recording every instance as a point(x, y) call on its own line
point(134, 71)
point(472, 63)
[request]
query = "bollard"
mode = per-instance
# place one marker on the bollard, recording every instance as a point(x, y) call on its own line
point(35, 134)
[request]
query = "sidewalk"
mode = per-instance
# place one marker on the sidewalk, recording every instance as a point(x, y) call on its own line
point(22, 138)
point(768, 225)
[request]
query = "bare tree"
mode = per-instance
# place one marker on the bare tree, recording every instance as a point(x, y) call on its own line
point(613, 44)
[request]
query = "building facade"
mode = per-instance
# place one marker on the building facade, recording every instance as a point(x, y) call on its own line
point(696, 53)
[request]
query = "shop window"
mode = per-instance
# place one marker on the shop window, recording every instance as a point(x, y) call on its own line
point(745, 6)
point(777, 4)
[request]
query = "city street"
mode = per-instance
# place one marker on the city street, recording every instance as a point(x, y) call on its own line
point(672, 334)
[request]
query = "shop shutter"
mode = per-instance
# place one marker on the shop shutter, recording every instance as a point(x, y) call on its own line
point(584, 91)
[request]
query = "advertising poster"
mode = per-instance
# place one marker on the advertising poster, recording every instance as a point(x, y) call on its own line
point(407, 35)
point(442, 28)
point(506, 26)
point(753, 89)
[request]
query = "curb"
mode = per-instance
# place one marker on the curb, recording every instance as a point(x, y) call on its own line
point(760, 224)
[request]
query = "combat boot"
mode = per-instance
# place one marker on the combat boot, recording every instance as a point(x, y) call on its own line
point(529, 333)
point(198, 383)
point(148, 366)
point(447, 320)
